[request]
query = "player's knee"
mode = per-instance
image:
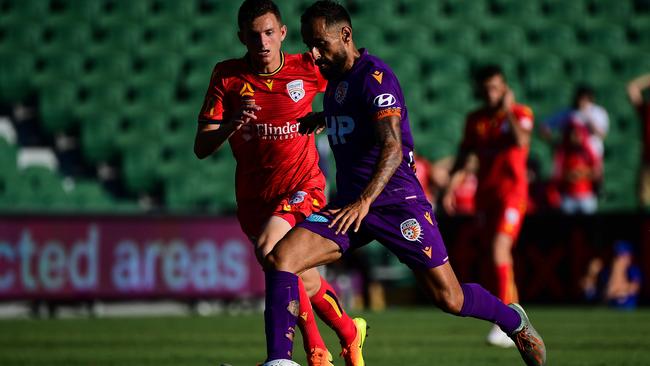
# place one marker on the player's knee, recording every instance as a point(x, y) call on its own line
point(450, 301)
point(278, 262)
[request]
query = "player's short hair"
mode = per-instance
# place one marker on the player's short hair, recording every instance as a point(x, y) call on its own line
point(251, 9)
point(331, 11)
point(583, 90)
point(485, 72)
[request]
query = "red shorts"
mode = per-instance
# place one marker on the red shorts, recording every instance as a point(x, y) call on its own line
point(504, 218)
point(294, 207)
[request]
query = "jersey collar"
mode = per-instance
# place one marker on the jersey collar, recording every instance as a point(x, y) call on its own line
point(266, 74)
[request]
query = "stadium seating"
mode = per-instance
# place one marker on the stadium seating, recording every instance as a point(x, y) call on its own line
point(127, 78)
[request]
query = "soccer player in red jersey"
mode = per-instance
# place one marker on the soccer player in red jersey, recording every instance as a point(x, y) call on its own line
point(499, 134)
point(255, 103)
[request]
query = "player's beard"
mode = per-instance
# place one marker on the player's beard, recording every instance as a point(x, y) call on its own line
point(334, 67)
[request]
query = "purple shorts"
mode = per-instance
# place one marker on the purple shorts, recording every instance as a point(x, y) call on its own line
point(408, 229)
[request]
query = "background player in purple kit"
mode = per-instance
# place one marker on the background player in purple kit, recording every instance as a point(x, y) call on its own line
point(378, 195)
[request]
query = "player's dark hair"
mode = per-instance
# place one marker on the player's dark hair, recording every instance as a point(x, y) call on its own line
point(331, 11)
point(485, 72)
point(251, 9)
point(583, 90)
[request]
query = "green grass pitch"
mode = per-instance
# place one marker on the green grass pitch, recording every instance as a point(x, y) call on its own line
point(413, 337)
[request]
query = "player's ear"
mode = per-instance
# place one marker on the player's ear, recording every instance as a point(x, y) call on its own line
point(283, 32)
point(346, 34)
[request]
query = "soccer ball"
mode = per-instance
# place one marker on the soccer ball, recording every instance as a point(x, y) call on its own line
point(281, 363)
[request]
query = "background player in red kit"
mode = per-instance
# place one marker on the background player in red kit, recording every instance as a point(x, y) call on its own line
point(499, 134)
point(255, 102)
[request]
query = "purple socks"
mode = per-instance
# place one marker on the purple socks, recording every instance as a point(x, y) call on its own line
point(280, 316)
point(481, 304)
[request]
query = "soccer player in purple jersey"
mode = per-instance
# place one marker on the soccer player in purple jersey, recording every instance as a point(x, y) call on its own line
point(379, 197)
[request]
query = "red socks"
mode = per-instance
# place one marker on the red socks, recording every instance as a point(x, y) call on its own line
point(507, 290)
point(307, 323)
point(328, 308)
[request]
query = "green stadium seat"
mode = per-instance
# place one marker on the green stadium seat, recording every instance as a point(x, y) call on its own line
point(16, 70)
point(591, 68)
point(89, 196)
point(564, 12)
point(461, 10)
point(612, 9)
point(457, 37)
point(128, 10)
point(505, 37)
point(36, 188)
point(445, 66)
point(166, 36)
point(154, 63)
point(30, 10)
point(56, 65)
point(55, 104)
point(639, 29)
point(553, 37)
point(7, 158)
point(139, 166)
point(82, 9)
point(630, 64)
point(541, 69)
point(122, 36)
point(104, 64)
point(154, 94)
point(19, 35)
point(515, 10)
point(66, 34)
point(604, 36)
point(178, 10)
point(98, 136)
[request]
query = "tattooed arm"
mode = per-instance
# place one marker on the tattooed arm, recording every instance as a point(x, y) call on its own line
point(389, 137)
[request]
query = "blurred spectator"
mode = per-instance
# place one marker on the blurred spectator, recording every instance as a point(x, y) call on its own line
point(498, 133)
point(584, 111)
point(577, 171)
point(465, 192)
point(618, 284)
point(635, 89)
point(424, 173)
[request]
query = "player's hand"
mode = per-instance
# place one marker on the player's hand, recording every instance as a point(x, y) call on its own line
point(245, 115)
point(449, 203)
point(508, 100)
point(350, 215)
point(312, 122)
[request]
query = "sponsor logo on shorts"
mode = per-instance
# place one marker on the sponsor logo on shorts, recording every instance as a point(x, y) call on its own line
point(316, 218)
point(296, 90)
point(341, 92)
point(297, 197)
point(411, 230)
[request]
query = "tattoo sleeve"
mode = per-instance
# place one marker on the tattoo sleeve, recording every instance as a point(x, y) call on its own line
point(389, 136)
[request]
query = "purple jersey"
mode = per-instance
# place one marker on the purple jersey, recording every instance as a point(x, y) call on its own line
point(365, 94)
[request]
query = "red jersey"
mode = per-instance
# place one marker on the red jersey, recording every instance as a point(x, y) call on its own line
point(273, 159)
point(576, 163)
point(502, 163)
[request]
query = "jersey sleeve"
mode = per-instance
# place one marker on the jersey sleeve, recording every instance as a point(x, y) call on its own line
point(212, 109)
point(309, 64)
point(525, 117)
point(382, 94)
